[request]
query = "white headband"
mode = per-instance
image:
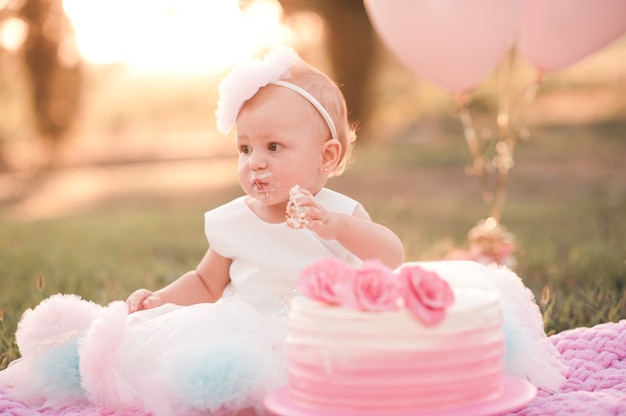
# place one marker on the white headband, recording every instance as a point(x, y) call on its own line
point(247, 77)
point(320, 108)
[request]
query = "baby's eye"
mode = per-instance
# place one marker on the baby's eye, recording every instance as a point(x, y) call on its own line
point(273, 147)
point(244, 149)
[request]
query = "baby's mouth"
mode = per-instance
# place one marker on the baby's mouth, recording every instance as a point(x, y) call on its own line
point(261, 185)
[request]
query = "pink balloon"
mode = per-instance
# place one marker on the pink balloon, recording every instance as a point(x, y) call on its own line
point(454, 43)
point(557, 33)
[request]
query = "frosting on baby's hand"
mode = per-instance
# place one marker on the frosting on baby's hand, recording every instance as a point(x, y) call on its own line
point(296, 218)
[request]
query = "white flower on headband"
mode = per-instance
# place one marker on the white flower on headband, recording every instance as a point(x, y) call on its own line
point(244, 81)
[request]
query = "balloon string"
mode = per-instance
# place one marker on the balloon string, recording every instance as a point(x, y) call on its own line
point(524, 99)
point(479, 166)
point(503, 161)
point(494, 196)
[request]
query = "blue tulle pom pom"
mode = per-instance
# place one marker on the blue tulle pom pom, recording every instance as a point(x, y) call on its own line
point(58, 373)
point(213, 377)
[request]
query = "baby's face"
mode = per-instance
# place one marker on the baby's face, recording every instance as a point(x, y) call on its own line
point(280, 138)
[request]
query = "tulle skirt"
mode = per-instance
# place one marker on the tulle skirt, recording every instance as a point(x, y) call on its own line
point(215, 359)
point(204, 359)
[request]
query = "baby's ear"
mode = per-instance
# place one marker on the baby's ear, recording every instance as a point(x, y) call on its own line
point(331, 153)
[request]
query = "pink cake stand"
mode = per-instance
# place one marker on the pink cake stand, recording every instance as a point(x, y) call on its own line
point(516, 393)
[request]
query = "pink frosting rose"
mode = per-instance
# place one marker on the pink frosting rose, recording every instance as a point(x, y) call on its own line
point(426, 294)
point(375, 287)
point(326, 280)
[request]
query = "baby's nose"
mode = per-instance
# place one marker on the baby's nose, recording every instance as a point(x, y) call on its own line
point(257, 161)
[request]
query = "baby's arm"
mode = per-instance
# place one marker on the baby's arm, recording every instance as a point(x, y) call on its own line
point(205, 284)
point(357, 232)
point(363, 237)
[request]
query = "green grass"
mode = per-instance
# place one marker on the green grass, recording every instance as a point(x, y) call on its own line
point(101, 256)
point(566, 206)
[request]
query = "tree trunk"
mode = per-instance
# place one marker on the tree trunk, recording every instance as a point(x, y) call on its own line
point(53, 69)
point(352, 48)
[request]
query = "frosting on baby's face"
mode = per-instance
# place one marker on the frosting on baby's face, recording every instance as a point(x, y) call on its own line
point(262, 184)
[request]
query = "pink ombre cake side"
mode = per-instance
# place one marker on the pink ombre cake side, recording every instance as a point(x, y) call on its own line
point(344, 359)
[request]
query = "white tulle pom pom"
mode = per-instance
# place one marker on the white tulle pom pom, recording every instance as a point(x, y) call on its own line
point(48, 338)
point(245, 80)
point(53, 321)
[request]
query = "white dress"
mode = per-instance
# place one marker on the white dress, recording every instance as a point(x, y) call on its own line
point(212, 358)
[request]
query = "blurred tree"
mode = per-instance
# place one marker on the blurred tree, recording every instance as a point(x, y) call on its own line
point(11, 38)
point(352, 48)
point(53, 67)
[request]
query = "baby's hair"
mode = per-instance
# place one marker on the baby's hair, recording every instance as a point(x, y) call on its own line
point(326, 91)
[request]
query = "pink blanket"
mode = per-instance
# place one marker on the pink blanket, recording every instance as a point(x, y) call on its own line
point(596, 382)
point(595, 385)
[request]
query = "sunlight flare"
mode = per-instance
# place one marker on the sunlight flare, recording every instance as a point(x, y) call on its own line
point(182, 36)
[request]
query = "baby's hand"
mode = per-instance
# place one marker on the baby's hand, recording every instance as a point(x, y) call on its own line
point(303, 211)
point(142, 299)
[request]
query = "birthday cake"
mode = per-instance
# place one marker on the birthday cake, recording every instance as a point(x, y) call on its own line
point(295, 217)
point(372, 340)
